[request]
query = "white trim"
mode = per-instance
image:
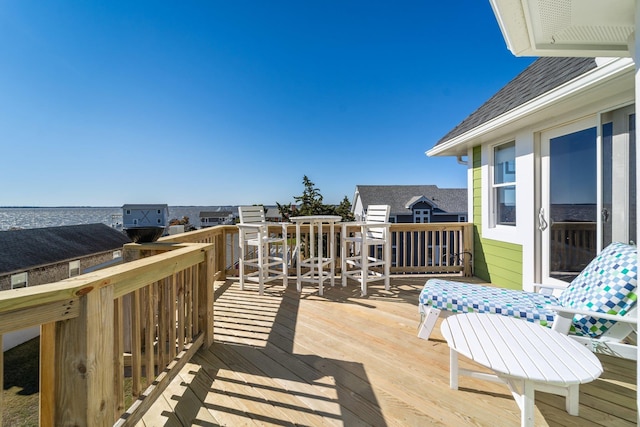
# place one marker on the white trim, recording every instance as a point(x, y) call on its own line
point(470, 194)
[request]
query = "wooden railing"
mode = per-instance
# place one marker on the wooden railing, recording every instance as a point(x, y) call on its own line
point(113, 339)
point(148, 315)
point(432, 248)
point(573, 245)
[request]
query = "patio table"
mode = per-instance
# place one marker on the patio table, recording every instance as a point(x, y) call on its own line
point(524, 355)
point(316, 262)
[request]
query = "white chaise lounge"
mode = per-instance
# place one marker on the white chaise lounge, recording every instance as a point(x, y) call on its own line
point(597, 308)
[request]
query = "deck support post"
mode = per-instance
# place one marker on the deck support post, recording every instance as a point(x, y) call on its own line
point(82, 393)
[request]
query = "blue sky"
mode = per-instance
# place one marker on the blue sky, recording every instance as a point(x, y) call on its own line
point(233, 102)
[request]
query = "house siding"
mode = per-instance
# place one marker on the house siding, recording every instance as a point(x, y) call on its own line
point(494, 261)
point(55, 272)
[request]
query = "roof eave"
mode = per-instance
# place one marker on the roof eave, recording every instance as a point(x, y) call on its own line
point(525, 35)
point(458, 145)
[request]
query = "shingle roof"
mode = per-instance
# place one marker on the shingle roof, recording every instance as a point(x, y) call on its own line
point(23, 249)
point(543, 75)
point(452, 200)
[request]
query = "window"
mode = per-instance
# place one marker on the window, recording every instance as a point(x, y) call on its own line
point(462, 218)
point(74, 268)
point(20, 280)
point(421, 216)
point(504, 184)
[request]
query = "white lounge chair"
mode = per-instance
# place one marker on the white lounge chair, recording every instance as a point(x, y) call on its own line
point(366, 248)
point(261, 251)
point(597, 308)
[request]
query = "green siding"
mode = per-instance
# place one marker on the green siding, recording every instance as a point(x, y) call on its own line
point(494, 261)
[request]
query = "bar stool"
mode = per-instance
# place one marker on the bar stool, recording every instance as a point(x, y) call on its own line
point(366, 248)
point(260, 250)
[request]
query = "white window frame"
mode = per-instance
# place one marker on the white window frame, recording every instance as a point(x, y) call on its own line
point(74, 268)
point(20, 280)
point(422, 214)
point(521, 233)
point(493, 196)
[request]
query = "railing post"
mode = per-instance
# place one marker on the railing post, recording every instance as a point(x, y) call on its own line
point(83, 359)
point(205, 297)
point(467, 251)
point(220, 249)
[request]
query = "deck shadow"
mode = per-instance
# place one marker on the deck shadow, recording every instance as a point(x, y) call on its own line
point(253, 366)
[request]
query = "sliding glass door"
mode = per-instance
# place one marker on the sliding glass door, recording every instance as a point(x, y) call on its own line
point(587, 192)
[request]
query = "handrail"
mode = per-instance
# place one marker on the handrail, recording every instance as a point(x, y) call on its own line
point(159, 309)
point(429, 248)
point(126, 277)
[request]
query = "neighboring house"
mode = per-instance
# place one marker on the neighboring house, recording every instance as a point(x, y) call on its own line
point(44, 255)
point(413, 203)
point(146, 215)
point(272, 214)
point(209, 218)
point(552, 164)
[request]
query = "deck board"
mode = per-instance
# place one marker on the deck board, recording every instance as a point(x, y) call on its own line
point(345, 360)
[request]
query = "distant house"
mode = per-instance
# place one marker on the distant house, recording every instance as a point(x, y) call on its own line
point(145, 215)
point(413, 203)
point(273, 214)
point(37, 256)
point(43, 255)
point(211, 218)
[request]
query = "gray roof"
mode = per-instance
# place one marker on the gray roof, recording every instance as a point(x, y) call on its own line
point(24, 249)
point(543, 75)
point(453, 200)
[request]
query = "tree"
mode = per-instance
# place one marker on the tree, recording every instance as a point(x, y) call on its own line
point(344, 210)
point(287, 211)
point(311, 203)
point(184, 221)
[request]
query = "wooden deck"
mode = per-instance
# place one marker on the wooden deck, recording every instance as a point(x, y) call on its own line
point(345, 360)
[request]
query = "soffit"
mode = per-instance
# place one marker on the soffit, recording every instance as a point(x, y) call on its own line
point(587, 28)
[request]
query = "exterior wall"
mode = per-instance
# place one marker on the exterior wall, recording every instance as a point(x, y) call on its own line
point(408, 219)
point(140, 216)
point(444, 218)
point(494, 261)
point(56, 272)
point(358, 208)
point(404, 219)
point(514, 255)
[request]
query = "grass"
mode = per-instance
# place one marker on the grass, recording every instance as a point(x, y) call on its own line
point(21, 385)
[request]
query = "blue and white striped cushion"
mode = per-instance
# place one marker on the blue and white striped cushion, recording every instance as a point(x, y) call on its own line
point(607, 285)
